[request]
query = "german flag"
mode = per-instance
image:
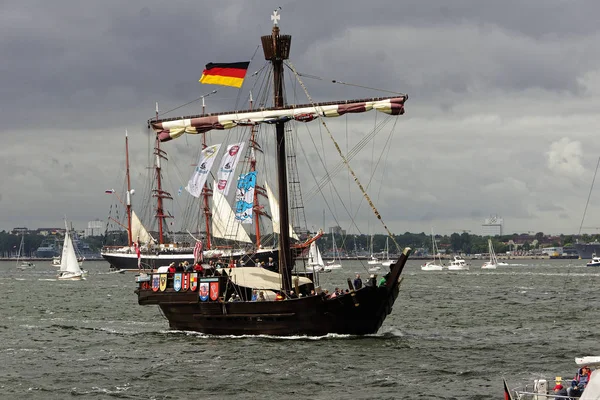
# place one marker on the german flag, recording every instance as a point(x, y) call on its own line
point(227, 74)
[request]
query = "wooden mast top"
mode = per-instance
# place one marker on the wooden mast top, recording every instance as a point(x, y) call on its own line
point(276, 48)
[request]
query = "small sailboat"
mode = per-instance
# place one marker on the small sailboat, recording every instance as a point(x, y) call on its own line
point(69, 265)
point(21, 263)
point(336, 263)
point(493, 263)
point(373, 260)
point(436, 263)
point(315, 261)
point(387, 262)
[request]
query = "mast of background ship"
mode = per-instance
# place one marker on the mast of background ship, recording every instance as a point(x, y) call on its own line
point(256, 207)
point(158, 192)
point(128, 207)
point(277, 48)
point(206, 191)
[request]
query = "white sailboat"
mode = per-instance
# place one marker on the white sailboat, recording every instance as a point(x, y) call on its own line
point(23, 264)
point(436, 263)
point(373, 260)
point(315, 260)
point(493, 263)
point(387, 262)
point(336, 263)
point(69, 266)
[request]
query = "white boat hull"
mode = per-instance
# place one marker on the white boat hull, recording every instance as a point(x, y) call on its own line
point(458, 268)
point(431, 267)
point(67, 276)
point(332, 266)
point(488, 265)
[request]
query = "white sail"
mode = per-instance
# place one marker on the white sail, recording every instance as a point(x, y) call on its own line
point(138, 231)
point(223, 221)
point(314, 256)
point(68, 261)
point(274, 205)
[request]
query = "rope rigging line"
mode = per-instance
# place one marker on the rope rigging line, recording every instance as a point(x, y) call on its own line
point(589, 195)
point(342, 82)
point(339, 150)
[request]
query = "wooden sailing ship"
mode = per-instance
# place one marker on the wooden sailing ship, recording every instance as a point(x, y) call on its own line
point(222, 303)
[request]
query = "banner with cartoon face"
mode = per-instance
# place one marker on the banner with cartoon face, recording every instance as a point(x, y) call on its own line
point(203, 292)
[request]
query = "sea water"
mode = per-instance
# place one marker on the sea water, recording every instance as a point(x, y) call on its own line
point(451, 335)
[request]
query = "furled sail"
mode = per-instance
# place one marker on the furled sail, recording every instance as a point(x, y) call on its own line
point(259, 278)
point(274, 205)
point(138, 231)
point(173, 128)
point(223, 221)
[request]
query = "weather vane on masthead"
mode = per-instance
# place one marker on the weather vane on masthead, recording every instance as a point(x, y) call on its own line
point(275, 17)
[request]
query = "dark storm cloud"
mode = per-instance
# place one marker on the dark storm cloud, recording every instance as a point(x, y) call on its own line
point(509, 87)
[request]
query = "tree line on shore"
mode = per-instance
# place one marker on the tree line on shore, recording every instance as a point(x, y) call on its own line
point(359, 244)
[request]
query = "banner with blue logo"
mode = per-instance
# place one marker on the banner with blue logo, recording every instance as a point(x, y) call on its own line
point(244, 197)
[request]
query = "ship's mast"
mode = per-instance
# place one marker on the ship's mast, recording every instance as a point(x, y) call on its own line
point(276, 48)
point(128, 206)
point(158, 192)
point(256, 208)
point(206, 191)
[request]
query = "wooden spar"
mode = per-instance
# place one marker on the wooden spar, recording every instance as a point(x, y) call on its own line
point(276, 49)
point(159, 193)
point(128, 206)
point(205, 195)
point(255, 205)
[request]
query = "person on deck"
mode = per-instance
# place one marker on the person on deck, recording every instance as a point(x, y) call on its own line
point(580, 381)
point(560, 390)
point(261, 296)
point(254, 295)
point(293, 295)
point(357, 282)
point(172, 268)
point(279, 297)
point(199, 268)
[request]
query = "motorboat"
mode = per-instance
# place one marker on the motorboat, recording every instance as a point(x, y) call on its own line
point(595, 262)
point(458, 264)
point(559, 388)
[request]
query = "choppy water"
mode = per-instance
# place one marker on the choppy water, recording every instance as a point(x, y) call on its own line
point(451, 335)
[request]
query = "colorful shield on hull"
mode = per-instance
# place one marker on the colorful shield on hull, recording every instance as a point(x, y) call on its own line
point(193, 281)
point(203, 293)
point(214, 290)
point(155, 283)
point(186, 282)
point(163, 282)
point(177, 282)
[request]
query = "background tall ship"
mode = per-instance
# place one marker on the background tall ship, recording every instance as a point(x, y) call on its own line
point(224, 302)
point(221, 241)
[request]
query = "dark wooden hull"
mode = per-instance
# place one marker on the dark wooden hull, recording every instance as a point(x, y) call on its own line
point(358, 313)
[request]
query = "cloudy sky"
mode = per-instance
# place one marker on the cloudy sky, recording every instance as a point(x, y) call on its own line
point(501, 120)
